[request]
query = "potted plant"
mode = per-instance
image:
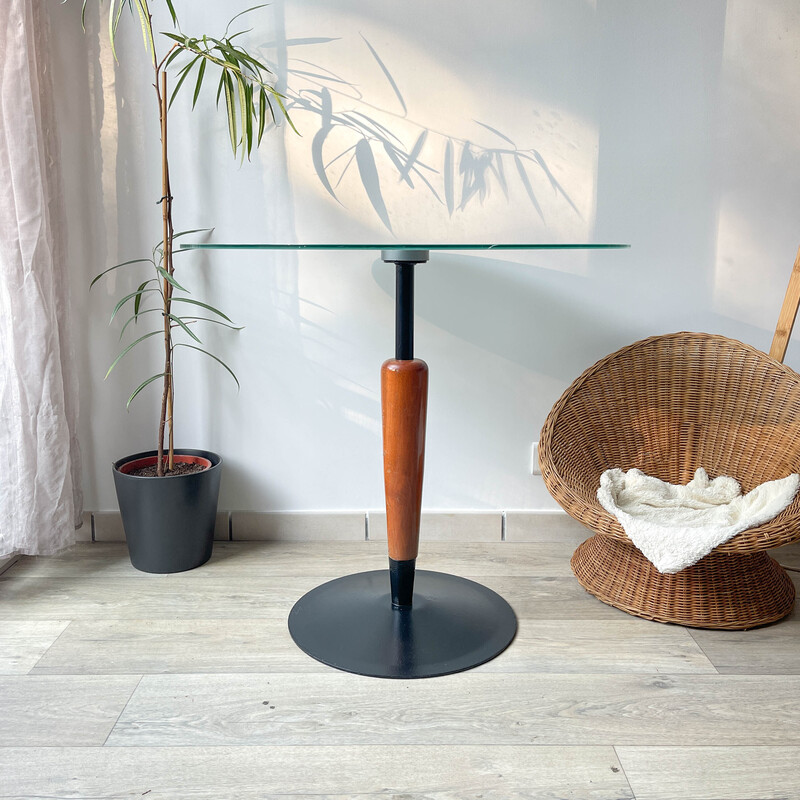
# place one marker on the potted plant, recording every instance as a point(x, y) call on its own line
point(168, 496)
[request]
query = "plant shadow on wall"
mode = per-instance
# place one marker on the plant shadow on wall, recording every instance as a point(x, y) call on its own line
point(521, 303)
point(351, 137)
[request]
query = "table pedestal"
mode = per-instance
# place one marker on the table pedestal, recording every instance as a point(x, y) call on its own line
point(404, 622)
point(454, 624)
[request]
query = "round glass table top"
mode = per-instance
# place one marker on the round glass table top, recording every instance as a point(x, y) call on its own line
point(398, 246)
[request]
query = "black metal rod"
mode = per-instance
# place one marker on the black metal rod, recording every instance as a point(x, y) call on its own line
point(401, 577)
point(404, 311)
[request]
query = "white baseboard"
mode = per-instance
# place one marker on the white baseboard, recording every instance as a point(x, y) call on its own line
point(436, 525)
point(108, 527)
point(446, 526)
point(543, 526)
point(298, 526)
point(84, 533)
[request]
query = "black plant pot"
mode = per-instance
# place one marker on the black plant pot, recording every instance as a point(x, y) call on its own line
point(169, 522)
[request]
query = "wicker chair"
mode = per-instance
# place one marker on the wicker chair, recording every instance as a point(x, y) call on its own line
point(667, 405)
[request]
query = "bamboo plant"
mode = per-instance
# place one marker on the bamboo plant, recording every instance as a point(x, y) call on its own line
point(249, 100)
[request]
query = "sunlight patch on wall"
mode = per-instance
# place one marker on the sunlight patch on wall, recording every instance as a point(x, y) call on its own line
point(757, 234)
point(740, 269)
point(397, 144)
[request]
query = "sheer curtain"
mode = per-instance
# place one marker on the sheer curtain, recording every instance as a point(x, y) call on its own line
point(40, 501)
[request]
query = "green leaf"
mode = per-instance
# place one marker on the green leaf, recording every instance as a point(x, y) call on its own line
point(249, 73)
point(182, 77)
point(175, 37)
point(135, 318)
point(117, 266)
point(200, 73)
point(113, 19)
point(229, 53)
point(127, 297)
point(195, 230)
point(230, 108)
point(241, 60)
point(176, 53)
point(172, 13)
point(246, 101)
point(130, 347)
point(272, 110)
point(141, 386)
point(147, 28)
point(202, 305)
point(211, 355)
point(241, 14)
point(240, 33)
point(216, 322)
point(244, 113)
point(138, 301)
point(159, 248)
point(279, 100)
point(144, 23)
point(260, 64)
point(262, 113)
point(170, 279)
point(220, 87)
point(184, 326)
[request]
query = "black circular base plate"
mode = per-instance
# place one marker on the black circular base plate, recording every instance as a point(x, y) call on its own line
point(453, 625)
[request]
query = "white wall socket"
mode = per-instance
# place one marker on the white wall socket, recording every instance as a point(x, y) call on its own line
point(535, 459)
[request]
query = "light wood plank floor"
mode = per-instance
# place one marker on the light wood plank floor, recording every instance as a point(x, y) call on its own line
point(114, 683)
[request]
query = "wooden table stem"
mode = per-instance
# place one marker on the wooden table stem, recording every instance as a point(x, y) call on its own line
point(404, 400)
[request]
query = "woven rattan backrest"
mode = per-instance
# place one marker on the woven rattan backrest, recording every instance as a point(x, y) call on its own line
point(669, 404)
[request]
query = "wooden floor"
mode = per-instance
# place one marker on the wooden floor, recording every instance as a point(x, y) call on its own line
point(117, 684)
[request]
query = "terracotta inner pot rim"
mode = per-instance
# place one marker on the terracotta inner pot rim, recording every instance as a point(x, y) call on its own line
point(147, 461)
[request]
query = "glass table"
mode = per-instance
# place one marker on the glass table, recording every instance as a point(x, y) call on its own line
point(404, 622)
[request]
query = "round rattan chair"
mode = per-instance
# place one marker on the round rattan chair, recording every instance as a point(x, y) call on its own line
point(667, 405)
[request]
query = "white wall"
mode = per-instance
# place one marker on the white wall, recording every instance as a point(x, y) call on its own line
point(669, 125)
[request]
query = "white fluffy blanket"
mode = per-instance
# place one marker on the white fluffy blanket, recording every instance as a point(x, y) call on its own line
point(675, 526)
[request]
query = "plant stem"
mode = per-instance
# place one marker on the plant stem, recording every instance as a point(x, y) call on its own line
point(166, 216)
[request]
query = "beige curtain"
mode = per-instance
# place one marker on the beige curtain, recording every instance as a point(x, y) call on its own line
point(40, 502)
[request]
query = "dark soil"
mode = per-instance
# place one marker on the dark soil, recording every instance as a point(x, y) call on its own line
point(180, 469)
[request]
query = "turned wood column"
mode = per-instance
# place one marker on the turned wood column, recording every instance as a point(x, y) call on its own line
point(404, 402)
point(404, 395)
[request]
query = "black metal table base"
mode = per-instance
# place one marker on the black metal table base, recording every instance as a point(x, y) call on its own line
point(454, 624)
